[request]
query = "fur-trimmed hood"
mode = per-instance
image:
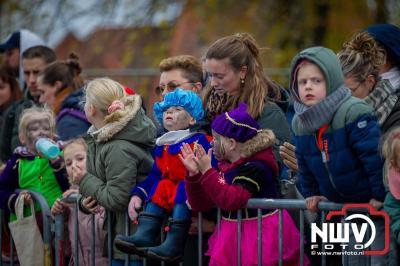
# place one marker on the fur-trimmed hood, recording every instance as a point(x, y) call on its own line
point(263, 140)
point(259, 148)
point(135, 126)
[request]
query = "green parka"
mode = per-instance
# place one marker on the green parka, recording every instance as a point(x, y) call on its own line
point(119, 156)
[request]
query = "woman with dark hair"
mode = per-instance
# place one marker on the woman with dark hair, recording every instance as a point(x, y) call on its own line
point(60, 86)
point(9, 93)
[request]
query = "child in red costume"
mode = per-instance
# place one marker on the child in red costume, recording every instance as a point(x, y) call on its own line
point(164, 188)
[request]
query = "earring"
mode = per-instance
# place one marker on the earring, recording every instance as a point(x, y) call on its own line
point(241, 81)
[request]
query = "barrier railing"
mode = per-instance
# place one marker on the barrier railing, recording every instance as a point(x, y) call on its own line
point(259, 204)
point(280, 204)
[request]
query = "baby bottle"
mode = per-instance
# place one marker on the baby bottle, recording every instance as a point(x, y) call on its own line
point(47, 148)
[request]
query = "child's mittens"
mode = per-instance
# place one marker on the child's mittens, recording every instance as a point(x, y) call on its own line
point(394, 182)
point(134, 207)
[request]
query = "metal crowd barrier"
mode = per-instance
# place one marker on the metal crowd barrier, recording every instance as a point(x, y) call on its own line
point(258, 204)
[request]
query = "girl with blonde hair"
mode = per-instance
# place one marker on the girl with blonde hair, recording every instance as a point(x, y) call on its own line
point(119, 142)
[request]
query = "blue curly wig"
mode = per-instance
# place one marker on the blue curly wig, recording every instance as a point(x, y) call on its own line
point(187, 99)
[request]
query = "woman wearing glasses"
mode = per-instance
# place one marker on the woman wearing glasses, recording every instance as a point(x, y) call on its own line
point(366, 62)
point(183, 71)
point(370, 63)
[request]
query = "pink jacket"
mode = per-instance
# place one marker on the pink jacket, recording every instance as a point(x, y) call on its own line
point(85, 235)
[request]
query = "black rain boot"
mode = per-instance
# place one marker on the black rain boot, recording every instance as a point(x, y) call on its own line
point(172, 248)
point(146, 235)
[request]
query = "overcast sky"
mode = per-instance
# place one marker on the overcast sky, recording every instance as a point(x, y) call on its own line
point(126, 13)
point(82, 17)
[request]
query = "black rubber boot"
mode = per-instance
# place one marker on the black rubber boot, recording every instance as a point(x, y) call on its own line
point(172, 248)
point(146, 235)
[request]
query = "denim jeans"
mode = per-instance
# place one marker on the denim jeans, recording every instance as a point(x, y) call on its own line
point(180, 211)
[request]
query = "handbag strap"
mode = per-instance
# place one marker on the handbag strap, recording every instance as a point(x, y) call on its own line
point(19, 207)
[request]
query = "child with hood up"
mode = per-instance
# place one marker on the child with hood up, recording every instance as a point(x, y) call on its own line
point(336, 137)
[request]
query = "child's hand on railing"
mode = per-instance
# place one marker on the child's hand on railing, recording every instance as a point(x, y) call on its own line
point(27, 197)
point(312, 202)
point(376, 204)
point(134, 207)
point(58, 207)
point(90, 204)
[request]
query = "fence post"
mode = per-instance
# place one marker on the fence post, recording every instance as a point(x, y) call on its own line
point(280, 237)
point(93, 241)
point(323, 216)
point(301, 237)
point(239, 219)
point(200, 240)
point(259, 235)
point(76, 233)
point(1, 236)
point(59, 239)
point(46, 225)
point(109, 238)
point(11, 251)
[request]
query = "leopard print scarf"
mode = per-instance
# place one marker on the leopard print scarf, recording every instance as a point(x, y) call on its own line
point(214, 104)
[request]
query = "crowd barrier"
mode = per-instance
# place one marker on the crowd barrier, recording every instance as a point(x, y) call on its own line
point(59, 238)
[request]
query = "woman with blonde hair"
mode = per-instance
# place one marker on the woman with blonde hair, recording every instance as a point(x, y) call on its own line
point(362, 60)
point(119, 141)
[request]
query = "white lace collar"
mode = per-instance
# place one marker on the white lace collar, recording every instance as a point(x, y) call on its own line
point(172, 137)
